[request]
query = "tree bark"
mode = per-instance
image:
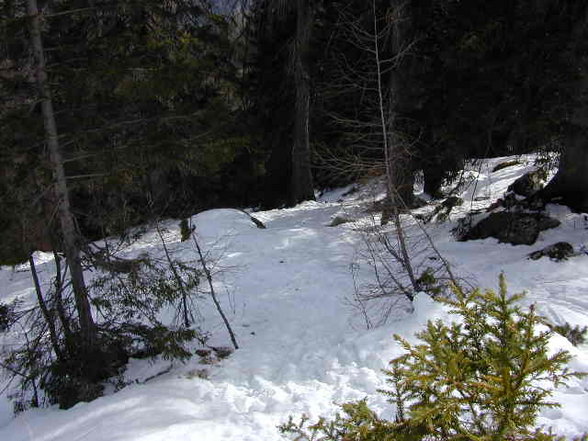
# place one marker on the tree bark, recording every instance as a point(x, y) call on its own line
point(59, 305)
point(301, 183)
point(66, 220)
point(47, 315)
point(570, 184)
point(400, 173)
point(433, 176)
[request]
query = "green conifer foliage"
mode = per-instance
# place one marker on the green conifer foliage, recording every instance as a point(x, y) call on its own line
point(482, 378)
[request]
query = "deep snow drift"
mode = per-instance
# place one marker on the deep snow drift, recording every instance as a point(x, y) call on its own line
point(288, 290)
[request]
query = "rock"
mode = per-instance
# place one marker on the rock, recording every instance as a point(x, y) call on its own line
point(499, 203)
point(452, 201)
point(511, 201)
point(118, 265)
point(442, 211)
point(375, 206)
point(354, 189)
point(465, 224)
point(214, 354)
point(504, 165)
point(340, 219)
point(529, 184)
point(558, 251)
point(198, 373)
point(5, 316)
point(203, 352)
point(380, 205)
point(546, 222)
point(222, 351)
point(514, 228)
point(418, 202)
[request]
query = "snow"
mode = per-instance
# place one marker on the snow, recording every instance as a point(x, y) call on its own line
point(287, 290)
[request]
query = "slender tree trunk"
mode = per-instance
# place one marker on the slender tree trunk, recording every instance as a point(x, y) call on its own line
point(393, 174)
point(433, 176)
point(432, 161)
point(302, 185)
point(47, 315)
point(215, 300)
point(66, 220)
point(59, 305)
point(399, 167)
point(185, 312)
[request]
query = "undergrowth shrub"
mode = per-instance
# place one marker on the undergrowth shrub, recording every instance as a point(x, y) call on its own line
point(131, 298)
point(483, 378)
point(186, 230)
point(575, 334)
point(6, 315)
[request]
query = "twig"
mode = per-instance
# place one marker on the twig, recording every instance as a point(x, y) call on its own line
point(213, 292)
point(179, 280)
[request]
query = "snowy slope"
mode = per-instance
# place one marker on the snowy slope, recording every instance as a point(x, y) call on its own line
point(287, 290)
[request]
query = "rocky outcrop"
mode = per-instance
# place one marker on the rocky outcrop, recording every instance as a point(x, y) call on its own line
point(340, 219)
point(558, 251)
point(529, 184)
point(505, 164)
point(513, 228)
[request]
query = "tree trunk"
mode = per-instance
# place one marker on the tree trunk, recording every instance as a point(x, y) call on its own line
point(59, 305)
point(301, 184)
point(279, 165)
point(433, 174)
point(66, 220)
point(400, 170)
point(47, 315)
point(570, 184)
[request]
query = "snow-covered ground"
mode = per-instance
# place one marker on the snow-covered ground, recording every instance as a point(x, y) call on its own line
point(287, 290)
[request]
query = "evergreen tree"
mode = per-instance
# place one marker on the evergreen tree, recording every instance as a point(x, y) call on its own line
point(87, 344)
point(127, 95)
point(482, 378)
point(570, 184)
point(499, 79)
point(147, 108)
point(284, 32)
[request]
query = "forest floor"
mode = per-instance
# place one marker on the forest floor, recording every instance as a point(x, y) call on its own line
point(289, 293)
